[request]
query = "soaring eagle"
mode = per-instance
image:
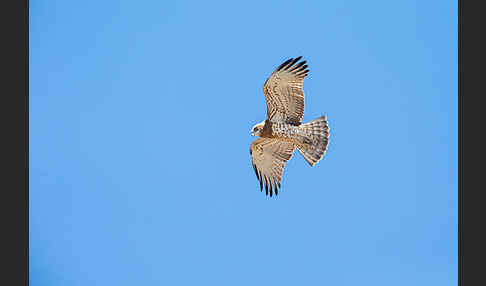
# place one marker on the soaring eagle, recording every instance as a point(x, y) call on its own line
point(283, 130)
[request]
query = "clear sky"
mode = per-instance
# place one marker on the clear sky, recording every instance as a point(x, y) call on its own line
point(140, 120)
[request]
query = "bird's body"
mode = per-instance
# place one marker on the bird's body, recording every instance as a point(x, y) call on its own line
point(283, 130)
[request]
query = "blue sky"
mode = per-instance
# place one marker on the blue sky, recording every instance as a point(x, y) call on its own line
point(140, 117)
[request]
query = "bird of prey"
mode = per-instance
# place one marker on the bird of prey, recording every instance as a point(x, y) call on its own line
point(283, 131)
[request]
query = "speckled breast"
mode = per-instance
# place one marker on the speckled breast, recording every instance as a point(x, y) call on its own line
point(284, 130)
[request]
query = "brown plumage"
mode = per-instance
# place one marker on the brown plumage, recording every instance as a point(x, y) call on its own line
point(283, 130)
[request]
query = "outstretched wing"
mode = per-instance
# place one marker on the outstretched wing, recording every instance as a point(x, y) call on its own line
point(284, 94)
point(268, 158)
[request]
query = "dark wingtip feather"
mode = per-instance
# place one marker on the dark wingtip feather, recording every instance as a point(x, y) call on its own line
point(289, 63)
point(255, 169)
point(284, 64)
point(297, 68)
point(292, 63)
point(302, 73)
point(275, 187)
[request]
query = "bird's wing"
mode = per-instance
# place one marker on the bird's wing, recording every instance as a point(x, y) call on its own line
point(268, 158)
point(284, 94)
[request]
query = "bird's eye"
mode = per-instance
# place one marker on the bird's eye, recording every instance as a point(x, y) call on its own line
point(255, 129)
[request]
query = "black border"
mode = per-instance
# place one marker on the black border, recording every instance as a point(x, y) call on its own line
point(14, 116)
point(471, 85)
point(459, 93)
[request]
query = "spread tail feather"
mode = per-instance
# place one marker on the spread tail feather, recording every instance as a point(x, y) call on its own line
point(317, 137)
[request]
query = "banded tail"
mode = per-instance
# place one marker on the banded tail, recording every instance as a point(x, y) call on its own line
point(317, 134)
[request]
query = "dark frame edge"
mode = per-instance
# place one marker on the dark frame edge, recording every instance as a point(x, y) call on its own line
point(459, 93)
point(27, 139)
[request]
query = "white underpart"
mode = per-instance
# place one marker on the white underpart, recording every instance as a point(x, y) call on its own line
point(287, 131)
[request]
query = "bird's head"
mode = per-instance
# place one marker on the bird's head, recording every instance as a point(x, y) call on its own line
point(257, 129)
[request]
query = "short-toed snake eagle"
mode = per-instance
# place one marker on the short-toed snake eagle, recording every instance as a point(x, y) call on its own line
point(283, 130)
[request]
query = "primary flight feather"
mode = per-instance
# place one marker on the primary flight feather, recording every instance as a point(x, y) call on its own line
point(283, 130)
